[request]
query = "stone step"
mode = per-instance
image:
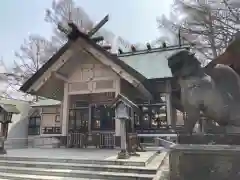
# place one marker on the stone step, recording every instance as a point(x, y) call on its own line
point(11, 176)
point(75, 173)
point(163, 171)
point(110, 161)
point(74, 166)
point(20, 170)
point(157, 161)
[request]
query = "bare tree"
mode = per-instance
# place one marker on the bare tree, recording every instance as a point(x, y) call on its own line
point(208, 25)
point(63, 11)
point(33, 53)
point(36, 50)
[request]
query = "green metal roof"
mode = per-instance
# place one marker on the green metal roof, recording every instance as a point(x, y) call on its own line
point(10, 108)
point(151, 64)
point(46, 102)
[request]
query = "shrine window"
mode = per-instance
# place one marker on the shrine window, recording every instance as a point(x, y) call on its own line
point(34, 125)
point(78, 117)
point(153, 117)
point(145, 117)
point(102, 117)
point(137, 123)
point(163, 98)
point(159, 117)
point(81, 104)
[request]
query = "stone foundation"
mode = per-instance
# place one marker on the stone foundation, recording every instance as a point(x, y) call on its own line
point(204, 162)
point(233, 139)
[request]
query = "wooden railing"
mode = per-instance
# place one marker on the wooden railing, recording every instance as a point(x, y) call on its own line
point(75, 139)
point(51, 130)
point(98, 139)
point(107, 140)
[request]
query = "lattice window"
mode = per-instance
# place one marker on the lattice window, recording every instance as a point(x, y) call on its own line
point(103, 117)
point(81, 104)
point(34, 125)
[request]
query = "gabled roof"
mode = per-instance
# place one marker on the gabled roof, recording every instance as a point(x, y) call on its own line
point(121, 98)
point(73, 36)
point(46, 102)
point(10, 108)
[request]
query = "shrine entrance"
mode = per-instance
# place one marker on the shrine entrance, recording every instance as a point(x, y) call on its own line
point(78, 119)
point(91, 120)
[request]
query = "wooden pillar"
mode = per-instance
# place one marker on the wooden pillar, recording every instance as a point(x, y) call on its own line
point(174, 118)
point(89, 118)
point(169, 102)
point(123, 135)
point(117, 121)
point(61, 117)
point(123, 154)
point(169, 108)
point(65, 111)
point(132, 120)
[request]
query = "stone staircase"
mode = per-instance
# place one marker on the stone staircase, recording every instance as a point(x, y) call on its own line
point(25, 168)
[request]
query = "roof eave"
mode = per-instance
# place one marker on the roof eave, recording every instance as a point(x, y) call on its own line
point(73, 36)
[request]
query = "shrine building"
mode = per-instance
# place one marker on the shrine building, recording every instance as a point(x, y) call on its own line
point(86, 78)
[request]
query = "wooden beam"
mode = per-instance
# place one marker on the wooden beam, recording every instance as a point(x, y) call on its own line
point(98, 26)
point(98, 39)
point(60, 76)
point(116, 68)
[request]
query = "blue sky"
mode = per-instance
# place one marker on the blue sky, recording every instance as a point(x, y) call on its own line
point(134, 20)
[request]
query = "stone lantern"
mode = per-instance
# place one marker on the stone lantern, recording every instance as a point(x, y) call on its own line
point(122, 107)
point(6, 112)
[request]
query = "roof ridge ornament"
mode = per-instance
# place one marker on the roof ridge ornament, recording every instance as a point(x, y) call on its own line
point(68, 27)
point(153, 50)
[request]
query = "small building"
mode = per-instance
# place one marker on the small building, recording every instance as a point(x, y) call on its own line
point(86, 79)
point(44, 118)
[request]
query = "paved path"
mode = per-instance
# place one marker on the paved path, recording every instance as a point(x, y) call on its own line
point(92, 154)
